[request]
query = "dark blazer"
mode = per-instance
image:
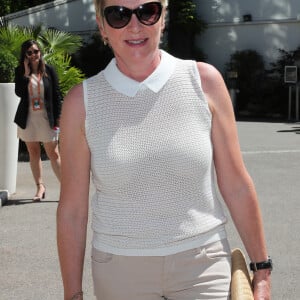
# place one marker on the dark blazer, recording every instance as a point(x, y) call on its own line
point(52, 97)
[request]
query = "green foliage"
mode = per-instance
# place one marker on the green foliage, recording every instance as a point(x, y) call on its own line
point(250, 69)
point(93, 56)
point(262, 92)
point(246, 62)
point(278, 90)
point(183, 26)
point(12, 37)
point(286, 58)
point(183, 14)
point(8, 62)
point(55, 41)
point(57, 48)
point(11, 6)
point(5, 7)
point(68, 75)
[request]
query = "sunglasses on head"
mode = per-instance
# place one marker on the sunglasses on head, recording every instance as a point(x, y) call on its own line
point(119, 16)
point(29, 52)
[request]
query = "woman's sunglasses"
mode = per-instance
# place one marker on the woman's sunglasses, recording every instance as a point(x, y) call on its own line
point(119, 16)
point(29, 52)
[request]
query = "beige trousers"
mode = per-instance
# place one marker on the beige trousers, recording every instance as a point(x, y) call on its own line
point(200, 273)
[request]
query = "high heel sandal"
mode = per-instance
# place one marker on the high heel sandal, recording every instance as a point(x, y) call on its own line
point(39, 198)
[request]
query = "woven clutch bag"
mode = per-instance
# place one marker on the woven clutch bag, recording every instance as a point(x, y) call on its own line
point(241, 282)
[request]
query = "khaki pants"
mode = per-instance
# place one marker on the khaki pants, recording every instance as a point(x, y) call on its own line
point(200, 273)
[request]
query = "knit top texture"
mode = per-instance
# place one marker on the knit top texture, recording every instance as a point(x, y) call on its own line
point(152, 166)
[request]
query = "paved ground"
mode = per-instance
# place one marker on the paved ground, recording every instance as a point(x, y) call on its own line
point(29, 267)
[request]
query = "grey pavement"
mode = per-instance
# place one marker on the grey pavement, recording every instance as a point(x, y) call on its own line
point(29, 266)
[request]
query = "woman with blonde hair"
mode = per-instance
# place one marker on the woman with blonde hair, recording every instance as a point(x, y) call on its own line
point(153, 130)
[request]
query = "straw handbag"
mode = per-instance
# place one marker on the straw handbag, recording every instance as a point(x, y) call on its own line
point(241, 283)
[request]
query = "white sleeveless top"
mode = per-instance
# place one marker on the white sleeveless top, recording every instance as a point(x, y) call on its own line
point(151, 161)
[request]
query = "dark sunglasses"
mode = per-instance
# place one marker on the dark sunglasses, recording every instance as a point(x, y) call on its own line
point(119, 16)
point(29, 52)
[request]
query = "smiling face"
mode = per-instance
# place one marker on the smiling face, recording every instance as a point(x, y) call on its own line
point(33, 54)
point(136, 45)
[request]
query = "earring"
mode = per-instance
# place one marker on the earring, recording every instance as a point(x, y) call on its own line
point(105, 41)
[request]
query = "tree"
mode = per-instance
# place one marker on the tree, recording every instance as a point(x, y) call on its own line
point(93, 56)
point(12, 6)
point(183, 26)
point(7, 65)
point(286, 58)
point(249, 67)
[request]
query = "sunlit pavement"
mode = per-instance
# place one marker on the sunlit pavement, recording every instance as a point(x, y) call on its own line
point(28, 255)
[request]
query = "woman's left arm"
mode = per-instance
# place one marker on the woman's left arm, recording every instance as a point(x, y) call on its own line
point(234, 181)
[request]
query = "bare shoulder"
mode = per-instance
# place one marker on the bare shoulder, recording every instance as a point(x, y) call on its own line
point(75, 95)
point(214, 88)
point(211, 78)
point(73, 104)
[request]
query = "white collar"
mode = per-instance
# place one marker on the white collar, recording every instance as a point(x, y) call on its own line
point(130, 87)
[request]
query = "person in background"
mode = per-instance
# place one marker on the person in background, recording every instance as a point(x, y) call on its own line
point(158, 134)
point(38, 113)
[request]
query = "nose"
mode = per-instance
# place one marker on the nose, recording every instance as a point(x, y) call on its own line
point(134, 24)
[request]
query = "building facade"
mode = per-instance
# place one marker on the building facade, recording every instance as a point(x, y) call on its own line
point(261, 25)
point(75, 16)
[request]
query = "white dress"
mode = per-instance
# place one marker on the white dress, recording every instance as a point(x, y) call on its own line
point(37, 127)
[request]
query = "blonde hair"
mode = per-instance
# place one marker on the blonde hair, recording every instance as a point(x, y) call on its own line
point(99, 5)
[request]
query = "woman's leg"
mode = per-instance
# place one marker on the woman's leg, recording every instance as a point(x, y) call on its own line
point(34, 150)
point(202, 273)
point(127, 277)
point(52, 152)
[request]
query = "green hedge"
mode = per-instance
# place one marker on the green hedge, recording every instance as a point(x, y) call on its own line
point(8, 62)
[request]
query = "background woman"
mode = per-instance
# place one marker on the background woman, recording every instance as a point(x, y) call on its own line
point(153, 129)
point(39, 110)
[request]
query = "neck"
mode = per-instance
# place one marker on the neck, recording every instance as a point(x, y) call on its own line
point(34, 70)
point(138, 71)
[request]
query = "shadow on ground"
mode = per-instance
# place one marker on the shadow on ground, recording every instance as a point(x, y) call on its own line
point(25, 202)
